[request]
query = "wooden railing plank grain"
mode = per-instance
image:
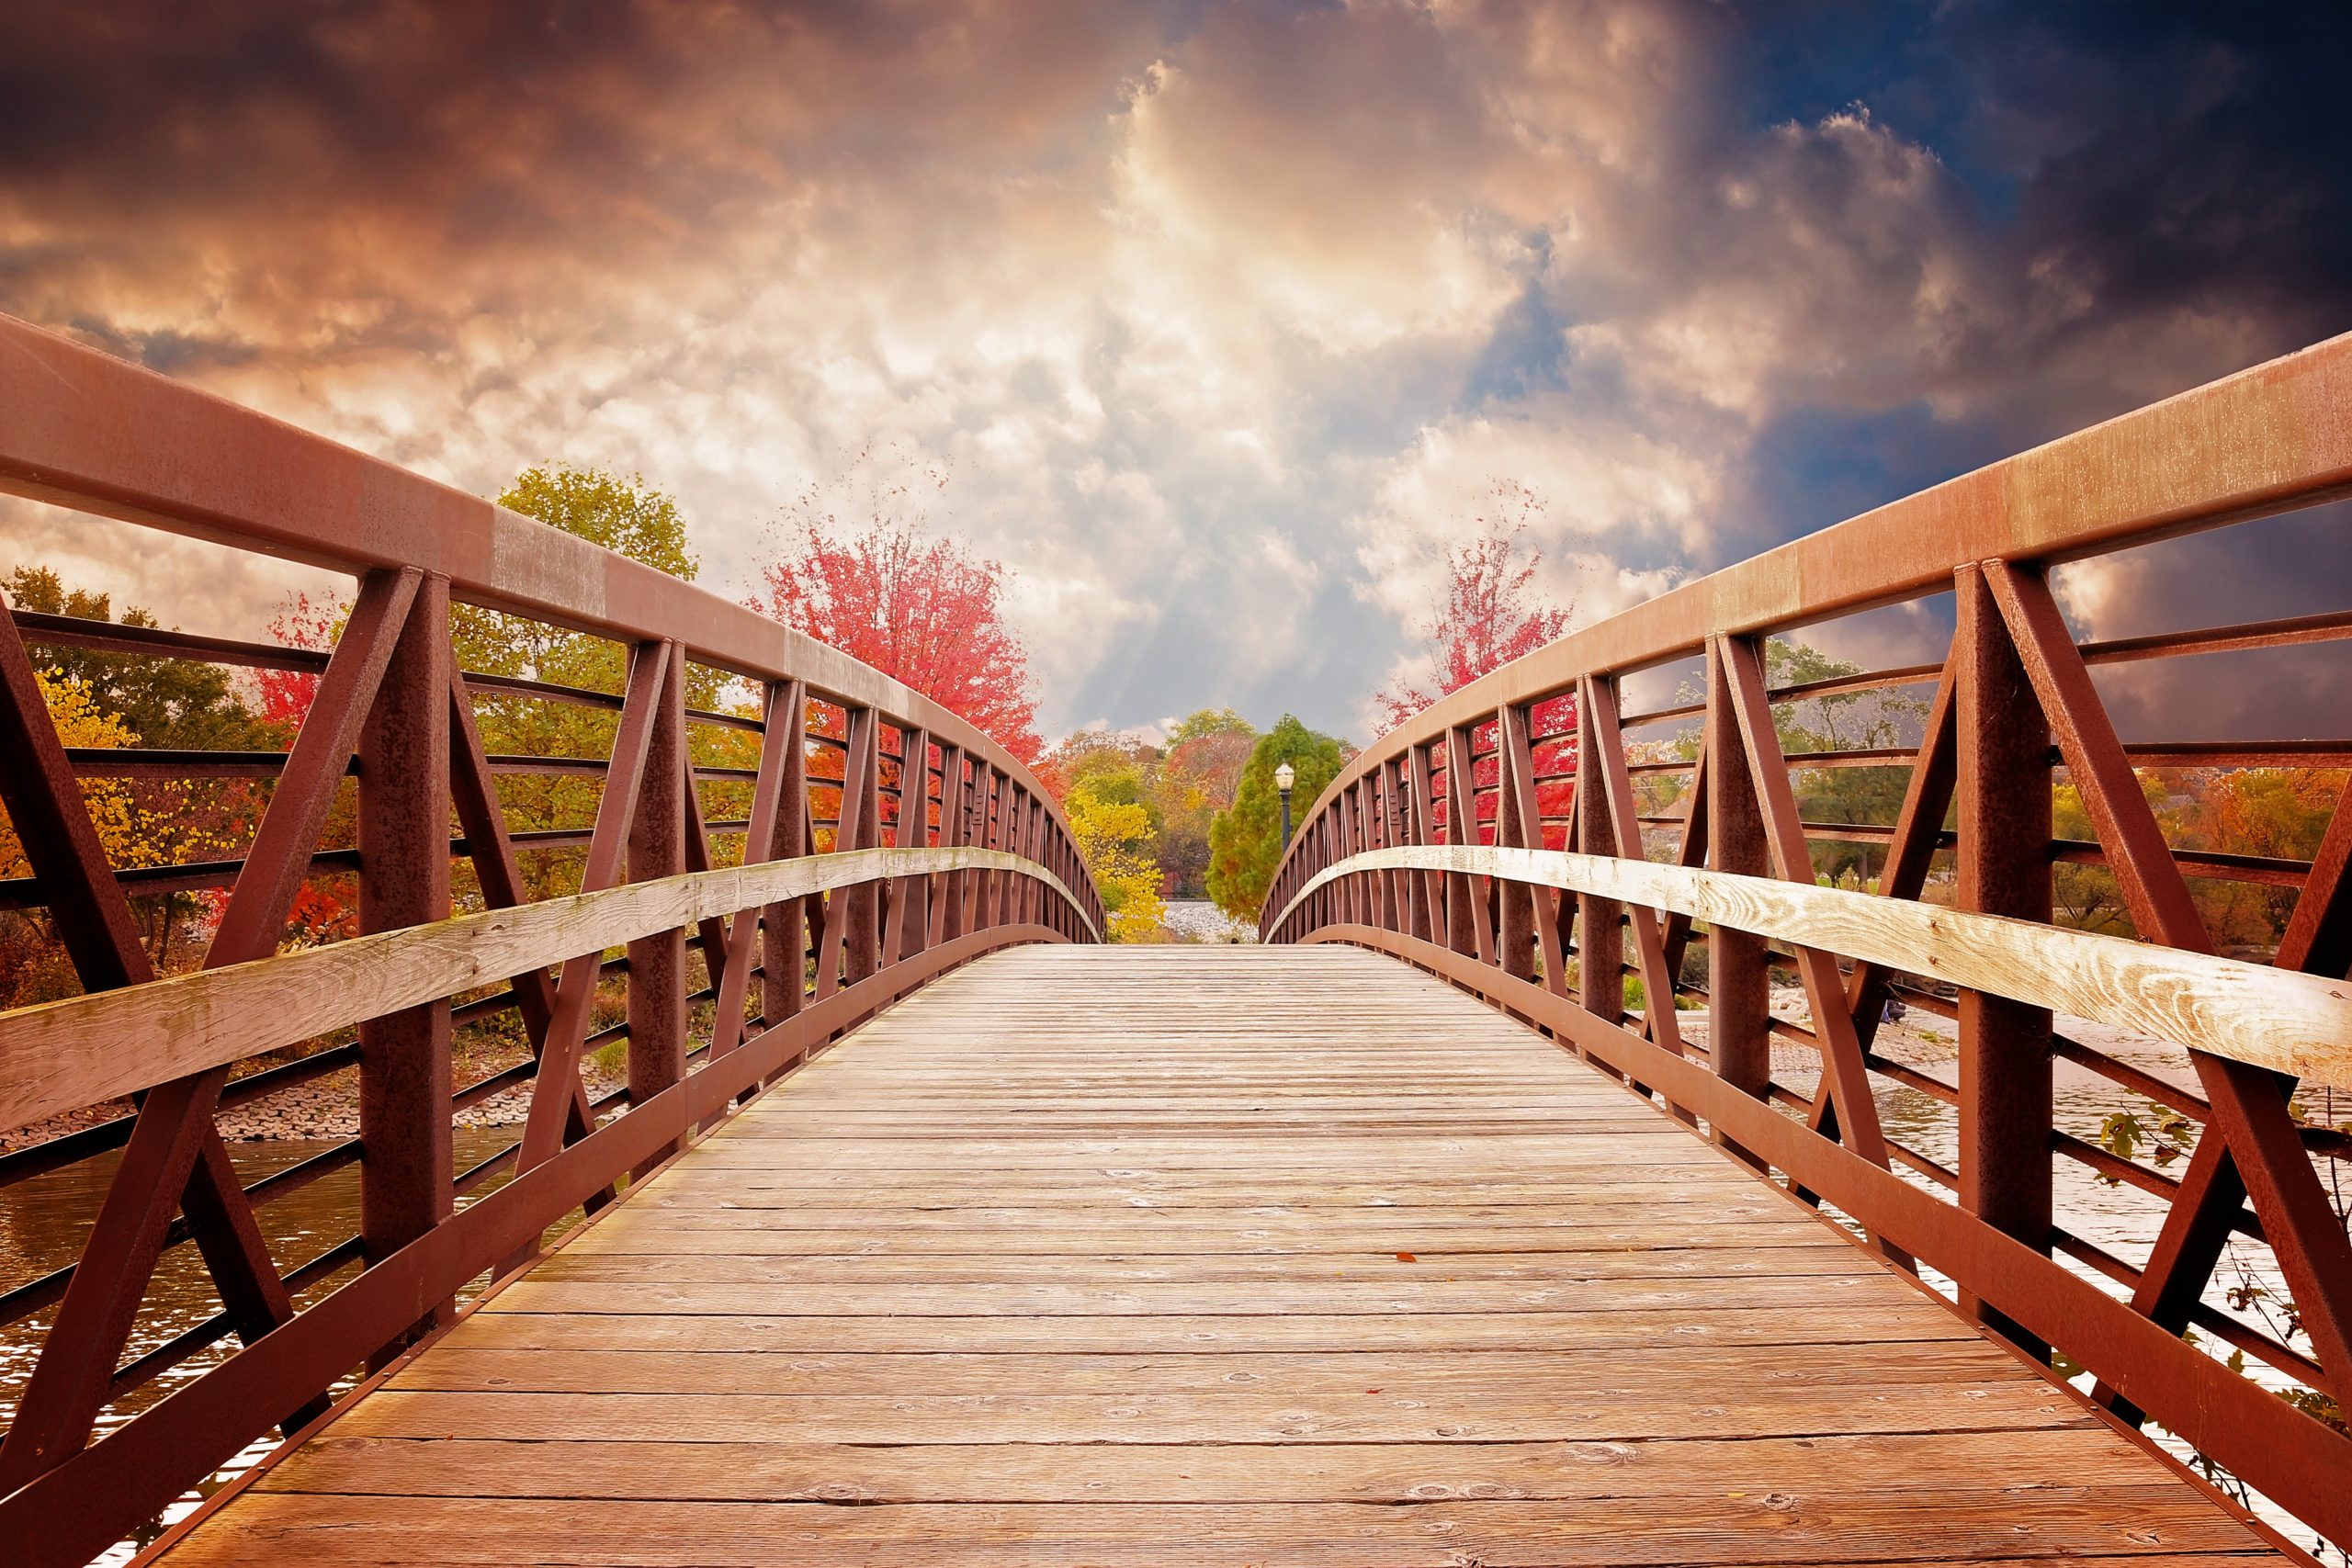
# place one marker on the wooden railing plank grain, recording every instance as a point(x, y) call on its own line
point(88, 1049)
point(2250, 1013)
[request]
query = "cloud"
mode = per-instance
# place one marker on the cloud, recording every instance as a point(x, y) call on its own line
point(1219, 312)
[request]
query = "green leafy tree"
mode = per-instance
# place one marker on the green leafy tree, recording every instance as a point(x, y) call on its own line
point(176, 703)
point(1867, 719)
point(2087, 897)
point(634, 519)
point(1245, 842)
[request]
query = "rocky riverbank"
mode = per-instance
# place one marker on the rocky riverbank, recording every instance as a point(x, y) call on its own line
point(1197, 920)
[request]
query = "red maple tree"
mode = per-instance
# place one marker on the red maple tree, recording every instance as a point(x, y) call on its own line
point(922, 608)
point(1489, 612)
point(286, 694)
point(327, 906)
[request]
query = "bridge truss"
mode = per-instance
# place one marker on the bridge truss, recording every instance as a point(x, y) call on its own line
point(1512, 840)
point(884, 840)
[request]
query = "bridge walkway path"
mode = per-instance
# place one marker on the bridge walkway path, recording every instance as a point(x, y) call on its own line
point(1218, 1256)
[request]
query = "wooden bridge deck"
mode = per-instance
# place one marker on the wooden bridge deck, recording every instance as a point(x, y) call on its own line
point(1210, 1256)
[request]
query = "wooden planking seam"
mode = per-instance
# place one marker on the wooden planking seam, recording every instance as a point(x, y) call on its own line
point(1633, 1330)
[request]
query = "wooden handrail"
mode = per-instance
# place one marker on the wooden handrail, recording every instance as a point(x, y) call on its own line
point(2250, 1013)
point(84, 430)
point(84, 1050)
point(2269, 439)
point(1437, 842)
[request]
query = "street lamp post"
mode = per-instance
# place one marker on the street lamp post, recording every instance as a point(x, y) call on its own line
point(1285, 776)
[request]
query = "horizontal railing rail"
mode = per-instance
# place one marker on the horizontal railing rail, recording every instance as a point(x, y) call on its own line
point(553, 895)
point(2299, 1024)
point(64, 1054)
point(1639, 883)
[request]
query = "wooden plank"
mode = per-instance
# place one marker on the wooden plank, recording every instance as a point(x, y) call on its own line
point(1870, 1324)
point(1059, 1263)
point(1661, 1408)
point(64, 1054)
point(1403, 1374)
point(2295, 1023)
point(1149, 1473)
point(1830, 1525)
point(710, 1265)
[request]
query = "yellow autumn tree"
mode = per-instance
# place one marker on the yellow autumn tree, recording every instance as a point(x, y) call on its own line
point(1112, 838)
point(80, 721)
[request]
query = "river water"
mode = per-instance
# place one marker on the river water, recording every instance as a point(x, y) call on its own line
point(2120, 1219)
point(44, 1221)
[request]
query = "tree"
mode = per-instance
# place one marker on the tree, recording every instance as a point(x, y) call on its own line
point(139, 823)
point(81, 721)
point(180, 704)
point(1865, 719)
point(1199, 771)
point(1488, 611)
point(158, 702)
point(626, 515)
point(1245, 842)
point(923, 609)
point(635, 519)
point(2087, 897)
point(33, 964)
point(2277, 812)
point(1114, 832)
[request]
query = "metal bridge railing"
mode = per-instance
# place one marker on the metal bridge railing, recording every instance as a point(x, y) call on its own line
point(881, 840)
point(1521, 839)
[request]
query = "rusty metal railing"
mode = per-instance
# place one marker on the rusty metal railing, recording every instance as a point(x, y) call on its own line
point(883, 840)
point(1517, 840)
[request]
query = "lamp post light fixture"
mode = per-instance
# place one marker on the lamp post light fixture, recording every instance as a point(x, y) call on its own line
point(1285, 776)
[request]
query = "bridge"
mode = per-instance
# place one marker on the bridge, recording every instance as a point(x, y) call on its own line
point(1492, 1212)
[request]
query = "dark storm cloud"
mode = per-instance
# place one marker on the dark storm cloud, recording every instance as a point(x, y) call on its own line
point(1220, 314)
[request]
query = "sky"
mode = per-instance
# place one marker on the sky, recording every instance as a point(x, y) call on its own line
point(1224, 317)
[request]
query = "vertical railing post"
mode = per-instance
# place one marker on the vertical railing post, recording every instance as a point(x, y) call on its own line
point(1428, 886)
point(1465, 930)
point(784, 927)
point(1396, 831)
point(984, 779)
point(910, 912)
point(1002, 810)
point(947, 909)
point(657, 848)
point(1033, 892)
point(1518, 824)
point(1327, 853)
point(864, 950)
point(404, 1058)
point(1348, 808)
point(2006, 1090)
point(1601, 936)
point(1739, 1014)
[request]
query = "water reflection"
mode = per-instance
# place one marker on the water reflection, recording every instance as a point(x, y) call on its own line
point(45, 1220)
